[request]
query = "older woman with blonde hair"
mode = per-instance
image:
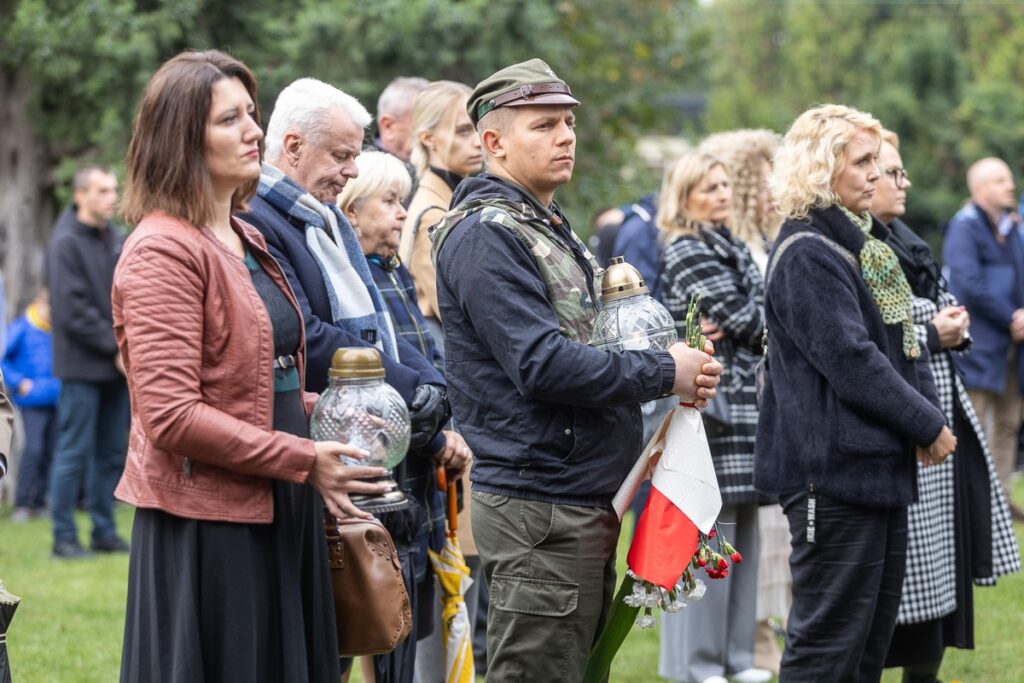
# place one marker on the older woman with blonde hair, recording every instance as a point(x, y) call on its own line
point(372, 202)
point(959, 527)
point(848, 402)
point(446, 149)
point(715, 637)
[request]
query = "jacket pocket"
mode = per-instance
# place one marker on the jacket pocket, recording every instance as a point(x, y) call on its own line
point(539, 597)
point(864, 437)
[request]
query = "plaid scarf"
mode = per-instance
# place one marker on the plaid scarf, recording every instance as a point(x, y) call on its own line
point(356, 303)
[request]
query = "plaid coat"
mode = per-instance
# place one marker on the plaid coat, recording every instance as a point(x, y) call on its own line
point(928, 591)
point(719, 267)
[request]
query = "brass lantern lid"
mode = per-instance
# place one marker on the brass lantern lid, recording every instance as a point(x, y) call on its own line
point(621, 280)
point(356, 363)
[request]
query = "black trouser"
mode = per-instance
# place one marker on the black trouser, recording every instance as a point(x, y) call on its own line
point(847, 583)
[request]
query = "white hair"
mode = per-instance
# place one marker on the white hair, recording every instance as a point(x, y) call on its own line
point(304, 107)
point(399, 96)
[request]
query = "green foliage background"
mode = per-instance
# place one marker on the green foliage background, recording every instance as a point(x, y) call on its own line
point(944, 74)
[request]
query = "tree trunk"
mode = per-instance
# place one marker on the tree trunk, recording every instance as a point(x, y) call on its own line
point(26, 213)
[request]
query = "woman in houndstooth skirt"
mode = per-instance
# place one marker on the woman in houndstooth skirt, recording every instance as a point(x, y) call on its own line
point(961, 519)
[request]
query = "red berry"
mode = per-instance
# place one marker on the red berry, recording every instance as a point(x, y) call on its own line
point(737, 558)
point(722, 564)
point(701, 562)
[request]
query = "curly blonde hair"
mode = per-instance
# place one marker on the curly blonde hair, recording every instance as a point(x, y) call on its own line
point(681, 179)
point(812, 156)
point(744, 153)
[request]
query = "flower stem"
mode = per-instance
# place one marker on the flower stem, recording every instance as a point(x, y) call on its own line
point(616, 627)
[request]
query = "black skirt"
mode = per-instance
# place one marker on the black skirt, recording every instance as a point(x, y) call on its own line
point(925, 642)
point(219, 602)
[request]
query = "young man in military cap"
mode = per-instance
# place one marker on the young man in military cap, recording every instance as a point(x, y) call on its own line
point(555, 424)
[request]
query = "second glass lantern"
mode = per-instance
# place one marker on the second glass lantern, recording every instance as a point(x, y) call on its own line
point(361, 410)
point(629, 317)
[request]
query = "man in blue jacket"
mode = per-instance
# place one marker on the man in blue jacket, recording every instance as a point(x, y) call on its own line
point(313, 137)
point(984, 261)
point(554, 424)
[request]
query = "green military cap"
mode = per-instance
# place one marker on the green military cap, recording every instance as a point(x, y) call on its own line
point(530, 82)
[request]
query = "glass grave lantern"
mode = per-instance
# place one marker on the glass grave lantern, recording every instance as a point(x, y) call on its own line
point(360, 409)
point(629, 317)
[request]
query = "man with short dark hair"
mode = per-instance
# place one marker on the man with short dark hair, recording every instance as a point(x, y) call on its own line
point(93, 406)
point(554, 424)
point(984, 261)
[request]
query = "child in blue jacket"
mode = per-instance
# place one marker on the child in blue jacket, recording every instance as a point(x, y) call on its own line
point(28, 373)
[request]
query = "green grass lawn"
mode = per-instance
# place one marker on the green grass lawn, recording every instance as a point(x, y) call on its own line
point(69, 626)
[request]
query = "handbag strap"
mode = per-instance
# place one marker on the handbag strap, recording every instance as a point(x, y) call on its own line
point(842, 251)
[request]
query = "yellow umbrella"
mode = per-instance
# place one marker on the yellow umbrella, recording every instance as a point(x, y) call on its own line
point(453, 575)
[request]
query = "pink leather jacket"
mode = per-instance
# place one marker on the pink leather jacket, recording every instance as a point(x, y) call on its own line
point(198, 349)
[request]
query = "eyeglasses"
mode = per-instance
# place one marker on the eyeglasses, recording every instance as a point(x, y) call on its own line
point(899, 176)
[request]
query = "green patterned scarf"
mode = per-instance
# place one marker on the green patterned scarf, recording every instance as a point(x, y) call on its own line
point(886, 281)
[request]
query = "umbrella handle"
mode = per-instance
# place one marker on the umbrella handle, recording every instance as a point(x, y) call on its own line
point(453, 509)
point(453, 502)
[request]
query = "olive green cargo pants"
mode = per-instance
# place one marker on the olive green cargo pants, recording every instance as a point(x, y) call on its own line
point(551, 573)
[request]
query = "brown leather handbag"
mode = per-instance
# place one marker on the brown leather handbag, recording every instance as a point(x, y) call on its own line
point(370, 602)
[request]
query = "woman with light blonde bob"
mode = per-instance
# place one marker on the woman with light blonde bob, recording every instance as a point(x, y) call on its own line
point(848, 401)
point(715, 637)
point(446, 149)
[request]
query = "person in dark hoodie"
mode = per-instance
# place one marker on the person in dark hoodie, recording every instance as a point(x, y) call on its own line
point(959, 528)
point(848, 401)
point(554, 424)
point(93, 405)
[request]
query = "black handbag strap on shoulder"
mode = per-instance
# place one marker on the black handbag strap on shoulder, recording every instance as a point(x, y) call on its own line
point(762, 367)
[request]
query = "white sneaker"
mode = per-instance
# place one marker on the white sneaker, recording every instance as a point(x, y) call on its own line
point(753, 676)
point(715, 679)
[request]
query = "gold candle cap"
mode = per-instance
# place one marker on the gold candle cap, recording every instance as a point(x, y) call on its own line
point(356, 363)
point(621, 280)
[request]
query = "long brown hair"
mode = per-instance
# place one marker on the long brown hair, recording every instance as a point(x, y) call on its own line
point(166, 157)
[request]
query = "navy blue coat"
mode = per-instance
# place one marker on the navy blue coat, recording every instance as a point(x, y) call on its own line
point(287, 244)
point(547, 418)
point(639, 241)
point(843, 408)
point(987, 277)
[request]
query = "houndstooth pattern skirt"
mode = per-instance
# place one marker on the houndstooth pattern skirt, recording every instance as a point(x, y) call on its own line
point(928, 590)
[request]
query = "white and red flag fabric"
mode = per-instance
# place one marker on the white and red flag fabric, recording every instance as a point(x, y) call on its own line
point(684, 498)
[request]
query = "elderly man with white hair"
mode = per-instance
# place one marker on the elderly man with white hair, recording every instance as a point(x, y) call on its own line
point(313, 137)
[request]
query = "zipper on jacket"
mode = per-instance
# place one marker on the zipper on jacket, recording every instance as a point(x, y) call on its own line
point(812, 514)
point(186, 468)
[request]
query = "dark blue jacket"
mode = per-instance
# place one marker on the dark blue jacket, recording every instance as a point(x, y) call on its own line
point(80, 265)
point(547, 418)
point(29, 355)
point(639, 240)
point(988, 278)
point(399, 293)
point(287, 243)
point(843, 407)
